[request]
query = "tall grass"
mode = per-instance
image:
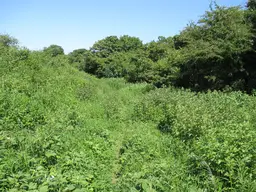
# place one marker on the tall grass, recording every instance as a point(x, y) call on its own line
point(64, 130)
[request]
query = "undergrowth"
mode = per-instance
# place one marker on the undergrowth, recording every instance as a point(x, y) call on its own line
point(64, 130)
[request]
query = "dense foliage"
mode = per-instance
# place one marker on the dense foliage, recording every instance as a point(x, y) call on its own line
point(54, 50)
point(65, 130)
point(217, 52)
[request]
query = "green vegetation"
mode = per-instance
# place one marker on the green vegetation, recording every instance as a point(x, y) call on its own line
point(217, 53)
point(65, 130)
point(54, 50)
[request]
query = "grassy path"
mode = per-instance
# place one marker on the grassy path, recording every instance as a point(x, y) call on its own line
point(116, 163)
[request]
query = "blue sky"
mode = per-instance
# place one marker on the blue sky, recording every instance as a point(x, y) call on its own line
point(75, 24)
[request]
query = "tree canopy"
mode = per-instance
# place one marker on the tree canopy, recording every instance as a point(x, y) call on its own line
point(7, 41)
point(54, 50)
point(217, 52)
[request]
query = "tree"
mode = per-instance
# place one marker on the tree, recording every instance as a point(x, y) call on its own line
point(110, 56)
point(128, 43)
point(139, 68)
point(106, 46)
point(157, 50)
point(251, 4)
point(111, 44)
point(92, 64)
point(250, 56)
point(54, 50)
point(76, 58)
point(8, 41)
point(214, 50)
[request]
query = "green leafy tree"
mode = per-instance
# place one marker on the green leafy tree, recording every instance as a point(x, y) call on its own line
point(54, 50)
point(77, 55)
point(106, 46)
point(129, 43)
point(92, 64)
point(76, 58)
point(251, 4)
point(8, 41)
point(157, 50)
point(139, 69)
point(109, 57)
point(112, 44)
point(115, 65)
point(213, 54)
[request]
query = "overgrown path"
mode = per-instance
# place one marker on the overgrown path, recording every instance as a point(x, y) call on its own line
point(117, 153)
point(142, 155)
point(63, 130)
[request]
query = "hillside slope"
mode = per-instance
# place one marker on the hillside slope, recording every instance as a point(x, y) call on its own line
point(64, 130)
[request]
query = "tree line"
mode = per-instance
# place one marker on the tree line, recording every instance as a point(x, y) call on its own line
point(215, 53)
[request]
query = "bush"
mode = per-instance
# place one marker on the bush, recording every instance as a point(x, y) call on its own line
point(217, 127)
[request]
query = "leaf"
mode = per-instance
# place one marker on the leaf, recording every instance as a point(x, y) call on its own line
point(79, 190)
point(145, 186)
point(70, 188)
point(50, 154)
point(43, 189)
point(13, 190)
point(32, 185)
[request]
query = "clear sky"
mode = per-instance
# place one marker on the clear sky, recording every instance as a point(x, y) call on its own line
point(75, 24)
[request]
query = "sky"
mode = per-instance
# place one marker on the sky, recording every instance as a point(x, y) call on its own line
point(75, 24)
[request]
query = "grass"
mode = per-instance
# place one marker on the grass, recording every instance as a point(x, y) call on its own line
point(64, 130)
